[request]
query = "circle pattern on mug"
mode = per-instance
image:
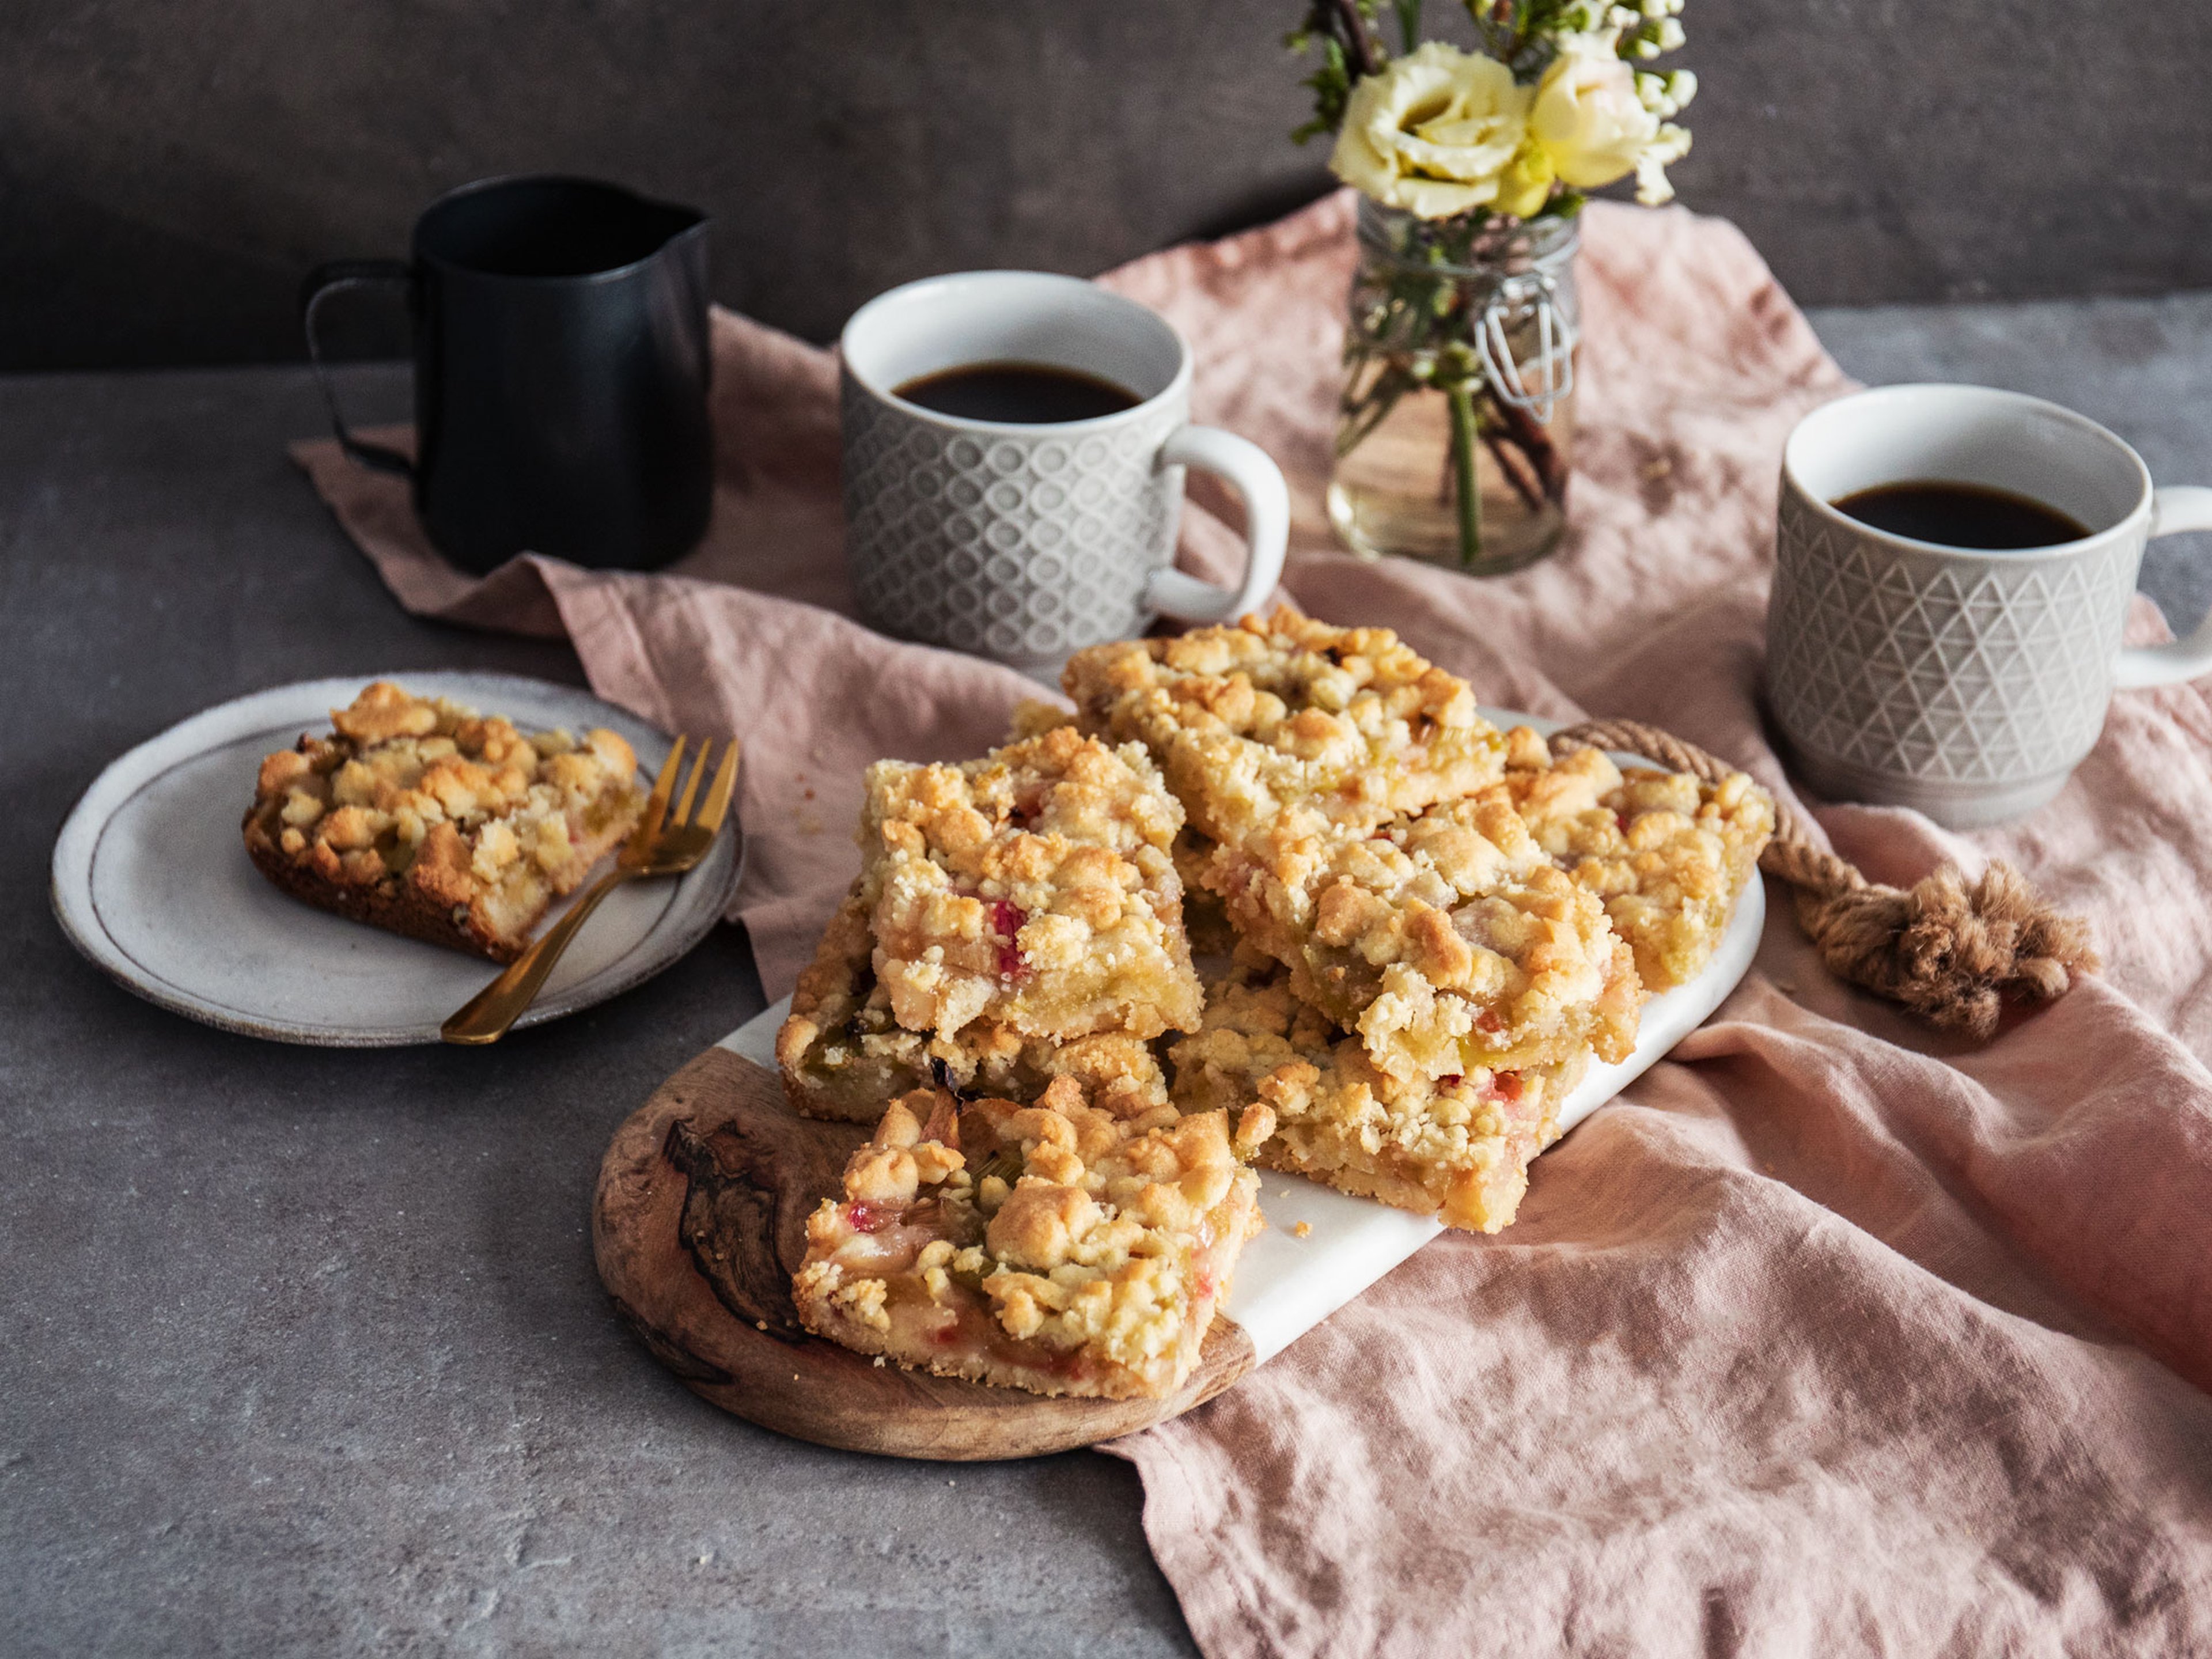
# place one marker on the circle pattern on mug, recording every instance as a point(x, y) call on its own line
point(1973, 670)
point(1024, 547)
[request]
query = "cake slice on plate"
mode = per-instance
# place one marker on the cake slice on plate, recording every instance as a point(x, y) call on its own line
point(1054, 1247)
point(425, 817)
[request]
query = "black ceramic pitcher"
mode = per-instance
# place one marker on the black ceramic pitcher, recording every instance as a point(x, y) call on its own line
point(561, 371)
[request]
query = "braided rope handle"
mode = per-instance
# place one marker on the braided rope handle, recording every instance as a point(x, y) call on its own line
point(1953, 952)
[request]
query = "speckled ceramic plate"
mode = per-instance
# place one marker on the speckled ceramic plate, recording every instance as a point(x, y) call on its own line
point(151, 881)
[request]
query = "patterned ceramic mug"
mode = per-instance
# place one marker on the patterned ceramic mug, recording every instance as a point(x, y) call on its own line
point(1965, 684)
point(1026, 543)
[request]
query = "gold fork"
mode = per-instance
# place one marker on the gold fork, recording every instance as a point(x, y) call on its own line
point(654, 848)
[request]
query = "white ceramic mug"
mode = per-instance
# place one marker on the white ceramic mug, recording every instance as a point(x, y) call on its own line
point(1026, 543)
point(1965, 684)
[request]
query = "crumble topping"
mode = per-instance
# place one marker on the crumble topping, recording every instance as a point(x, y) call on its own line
point(1456, 1147)
point(423, 802)
point(1250, 719)
point(1667, 855)
point(843, 1053)
point(1057, 1247)
point(1449, 940)
point(1033, 889)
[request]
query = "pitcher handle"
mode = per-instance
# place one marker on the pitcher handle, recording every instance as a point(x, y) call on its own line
point(333, 277)
point(1245, 467)
point(2184, 507)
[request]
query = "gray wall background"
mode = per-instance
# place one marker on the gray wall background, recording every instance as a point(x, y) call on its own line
point(170, 168)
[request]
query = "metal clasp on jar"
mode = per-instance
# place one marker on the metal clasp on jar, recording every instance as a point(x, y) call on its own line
point(1554, 357)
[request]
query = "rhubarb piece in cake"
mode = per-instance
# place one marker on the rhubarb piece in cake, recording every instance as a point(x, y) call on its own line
point(1667, 854)
point(1456, 1147)
point(844, 1056)
point(1054, 1247)
point(1033, 889)
point(1449, 941)
point(420, 815)
point(1248, 720)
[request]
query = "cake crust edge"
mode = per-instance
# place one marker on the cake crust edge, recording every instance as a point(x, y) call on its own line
point(394, 905)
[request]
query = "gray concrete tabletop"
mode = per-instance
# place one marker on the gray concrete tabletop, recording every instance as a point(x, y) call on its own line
point(303, 1350)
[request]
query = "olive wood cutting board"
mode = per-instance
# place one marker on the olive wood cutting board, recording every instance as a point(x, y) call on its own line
point(698, 1223)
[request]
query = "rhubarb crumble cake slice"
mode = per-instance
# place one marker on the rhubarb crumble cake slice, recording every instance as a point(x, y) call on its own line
point(1034, 889)
point(1054, 1247)
point(1252, 719)
point(1456, 1147)
point(1448, 942)
point(843, 1055)
point(420, 815)
point(1669, 855)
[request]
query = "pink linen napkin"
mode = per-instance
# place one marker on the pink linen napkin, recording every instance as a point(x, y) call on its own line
point(1830, 1335)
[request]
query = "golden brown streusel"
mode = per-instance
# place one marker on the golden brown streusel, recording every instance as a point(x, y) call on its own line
point(1667, 854)
point(843, 1055)
point(420, 815)
point(1447, 941)
point(1250, 721)
point(1457, 1148)
point(1033, 889)
point(1054, 1247)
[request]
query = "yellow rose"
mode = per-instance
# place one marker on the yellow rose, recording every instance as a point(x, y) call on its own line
point(1431, 132)
point(1587, 118)
point(1526, 184)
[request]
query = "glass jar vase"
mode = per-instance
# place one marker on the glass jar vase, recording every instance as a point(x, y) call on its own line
point(1455, 436)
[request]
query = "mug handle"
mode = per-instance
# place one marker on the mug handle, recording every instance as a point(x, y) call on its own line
point(324, 281)
point(2186, 506)
point(1248, 471)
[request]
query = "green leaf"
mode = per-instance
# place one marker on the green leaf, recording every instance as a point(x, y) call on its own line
point(1331, 87)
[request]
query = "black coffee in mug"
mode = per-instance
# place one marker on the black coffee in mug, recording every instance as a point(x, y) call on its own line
point(560, 372)
point(1961, 515)
point(1017, 394)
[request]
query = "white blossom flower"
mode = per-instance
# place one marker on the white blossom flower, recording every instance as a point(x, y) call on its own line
point(1665, 95)
point(1431, 132)
point(1671, 145)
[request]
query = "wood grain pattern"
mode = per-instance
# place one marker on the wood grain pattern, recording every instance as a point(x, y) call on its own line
point(698, 1220)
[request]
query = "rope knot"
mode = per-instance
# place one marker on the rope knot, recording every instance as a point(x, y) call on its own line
point(1951, 952)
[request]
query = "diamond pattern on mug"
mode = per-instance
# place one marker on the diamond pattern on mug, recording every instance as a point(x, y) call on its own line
point(1991, 670)
point(1018, 547)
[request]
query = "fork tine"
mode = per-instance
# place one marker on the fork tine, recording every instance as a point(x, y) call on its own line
point(656, 805)
point(682, 816)
point(718, 798)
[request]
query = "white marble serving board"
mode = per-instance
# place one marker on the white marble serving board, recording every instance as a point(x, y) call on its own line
point(1286, 1284)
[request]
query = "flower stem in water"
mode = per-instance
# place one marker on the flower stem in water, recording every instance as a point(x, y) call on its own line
point(1461, 397)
